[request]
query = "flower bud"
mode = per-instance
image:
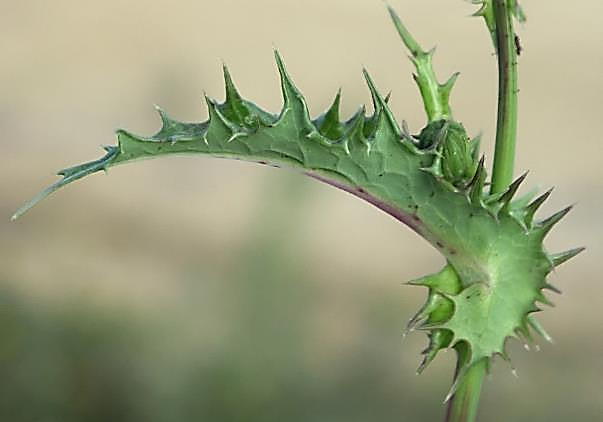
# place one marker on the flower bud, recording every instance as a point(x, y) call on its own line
point(458, 162)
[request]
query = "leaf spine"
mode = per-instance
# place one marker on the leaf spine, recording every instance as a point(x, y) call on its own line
point(232, 94)
point(547, 224)
point(293, 100)
point(506, 198)
point(538, 328)
point(328, 124)
point(165, 119)
point(552, 288)
point(531, 209)
point(563, 257)
point(380, 104)
point(476, 186)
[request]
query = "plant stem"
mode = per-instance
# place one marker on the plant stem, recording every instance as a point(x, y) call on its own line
point(506, 126)
point(463, 405)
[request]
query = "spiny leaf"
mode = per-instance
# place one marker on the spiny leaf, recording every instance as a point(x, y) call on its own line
point(380, 105)
point(538, 328)
point(495, 268)
point(70, 175)
point(531, 209)
point(476, 189)
point(234, 107)
point(329, 124)
point(543, 299)
point(562, 257)
point(552, 288)
point(546, 225)
point(508, 195)
point(232, 94)
point(438, 340)
point(435, 96)
point(520, 203)
point(446, 87)
point(409, 41)
point(294, 107)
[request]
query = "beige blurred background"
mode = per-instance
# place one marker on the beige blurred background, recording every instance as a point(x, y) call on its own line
point(200, 289)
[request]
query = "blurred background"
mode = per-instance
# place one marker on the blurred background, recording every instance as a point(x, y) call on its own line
point(192, 288)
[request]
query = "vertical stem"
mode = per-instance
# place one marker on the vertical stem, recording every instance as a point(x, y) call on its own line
point(463, 405)
point(506, 126)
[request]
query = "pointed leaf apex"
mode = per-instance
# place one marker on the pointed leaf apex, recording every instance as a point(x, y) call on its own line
point(562, 257)
point(231, 91)
point(281, 66)
point(428, 357)
point(506, 198)
point(333, 110)
point(376, 96)
point(552, 288)
point(445, 282)
point(538, 328)
point(380, 105)
point(329, 124)
point(547, 224)
point(478, 182)
point(408, 40)
point(449, 84)
point(479, 13)
point(211, 103)
point(71, 174)
point(543, 299)
point(290, 91)
point(165, 119)
point(534, 205)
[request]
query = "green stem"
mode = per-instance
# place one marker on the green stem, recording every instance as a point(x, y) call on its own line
point(506, 126)
point(463, 405)
point(436, 96)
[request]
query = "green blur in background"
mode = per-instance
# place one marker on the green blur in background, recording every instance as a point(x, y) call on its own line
point(196, 289)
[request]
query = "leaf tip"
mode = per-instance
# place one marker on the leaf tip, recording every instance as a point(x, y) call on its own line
point(560, 258)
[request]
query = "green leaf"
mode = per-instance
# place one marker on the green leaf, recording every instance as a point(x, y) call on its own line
point(496, 262)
